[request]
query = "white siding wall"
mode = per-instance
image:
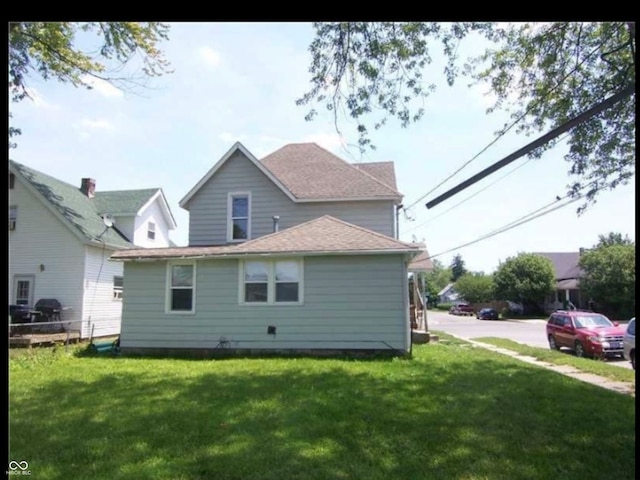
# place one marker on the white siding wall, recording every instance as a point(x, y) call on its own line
point(126, 225)
point(152, 214)
point(40, 238)
point(101, 311)
point(208, 207)
point(350, 302)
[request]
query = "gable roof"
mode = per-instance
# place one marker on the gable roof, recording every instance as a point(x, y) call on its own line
point(448, 288)
point(306, 172)
point(324, 235)
point(565, 264)
point(382, 171)
point(132, 202)
point(236, 147)
point(421, 263)
point(80, 213)
point(312, 173)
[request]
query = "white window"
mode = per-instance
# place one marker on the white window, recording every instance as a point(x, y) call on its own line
point(118, 283)
point(151, 231)
point(181, 287)
point(271, 282)
point(13, 217)
point(239, 217)
point(23, 288)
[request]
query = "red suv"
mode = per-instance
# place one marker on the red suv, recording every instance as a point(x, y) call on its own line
point(587, 333)
point(462, 308)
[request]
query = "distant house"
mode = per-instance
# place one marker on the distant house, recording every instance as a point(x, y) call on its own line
point(567, 275)
point(60, 239)
point(448, 294)
point(296, 252)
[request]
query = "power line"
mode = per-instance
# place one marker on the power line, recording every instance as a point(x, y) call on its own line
point(476, 193)
point(546, 138)
point(510, 126)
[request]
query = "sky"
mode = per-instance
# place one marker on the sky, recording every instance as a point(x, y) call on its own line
point(239, 82)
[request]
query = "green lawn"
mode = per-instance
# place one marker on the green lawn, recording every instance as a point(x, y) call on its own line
point(452, 412)
point(566, 357)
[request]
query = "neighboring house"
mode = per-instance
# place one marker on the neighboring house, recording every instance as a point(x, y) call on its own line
point(567, 275)
point(60, 241)
point(448, 294)
point(293, 253)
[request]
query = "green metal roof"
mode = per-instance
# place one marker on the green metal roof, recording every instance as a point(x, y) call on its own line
point(82, 212)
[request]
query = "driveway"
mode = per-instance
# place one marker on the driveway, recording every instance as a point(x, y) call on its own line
point(528, 332)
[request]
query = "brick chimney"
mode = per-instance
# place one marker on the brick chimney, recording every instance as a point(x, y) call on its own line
point(88, 187)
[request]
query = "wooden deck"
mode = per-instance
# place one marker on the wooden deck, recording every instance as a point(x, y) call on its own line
point(30, 339)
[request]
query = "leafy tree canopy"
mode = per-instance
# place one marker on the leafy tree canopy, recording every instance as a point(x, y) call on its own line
point(613, 238)
point(527, 278)
point(48, 50)
point(475, 288)
point(457, 268)
point(609, 277)
point(542, 74)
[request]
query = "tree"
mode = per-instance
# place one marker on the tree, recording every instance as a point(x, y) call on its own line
point(436, 279)
point(609, 278)
point(475, 287)
point(457, 268)
point(48, 49)
point(613, 239)
point(526, 278)
point(542, 74)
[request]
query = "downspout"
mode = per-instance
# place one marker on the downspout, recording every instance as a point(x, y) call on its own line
point(398, 208)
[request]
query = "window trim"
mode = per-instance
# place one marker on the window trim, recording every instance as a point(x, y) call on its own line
point(118, 290)
point(13, 219)
point(169, 288)
point(230, 196)
point(271, 282)
point(151, 232)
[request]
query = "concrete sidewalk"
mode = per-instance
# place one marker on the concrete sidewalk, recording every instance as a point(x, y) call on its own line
point(620, 387)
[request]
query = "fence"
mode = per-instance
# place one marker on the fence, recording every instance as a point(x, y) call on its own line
point(30, 333)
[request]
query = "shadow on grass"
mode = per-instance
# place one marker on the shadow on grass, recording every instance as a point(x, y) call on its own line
point(474, 415)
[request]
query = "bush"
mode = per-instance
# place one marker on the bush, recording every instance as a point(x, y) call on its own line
point(444, 306)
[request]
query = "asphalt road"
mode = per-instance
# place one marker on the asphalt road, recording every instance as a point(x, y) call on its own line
point(528, 332)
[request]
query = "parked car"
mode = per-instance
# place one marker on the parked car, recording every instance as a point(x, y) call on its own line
point(587, 333)
point(629, 342)
point(487, 314)
point(461, 308)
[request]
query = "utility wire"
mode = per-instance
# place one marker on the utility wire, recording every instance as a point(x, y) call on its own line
point(510, 126)
point(476, 193)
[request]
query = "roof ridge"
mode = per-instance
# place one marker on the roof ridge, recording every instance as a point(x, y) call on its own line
point(351, 165)
point(45, 174)
point(372, 163)
point(155, 189)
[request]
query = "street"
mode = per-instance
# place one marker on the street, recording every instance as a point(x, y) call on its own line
point(528, 332)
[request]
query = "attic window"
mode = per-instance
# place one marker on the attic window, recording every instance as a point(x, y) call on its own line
point(151, 231)
point(13, 217)
point(12, 180)
point(239, 217)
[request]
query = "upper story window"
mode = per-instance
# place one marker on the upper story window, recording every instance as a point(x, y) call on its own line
point(12, 180)
point(13, 217)
point(181, 287)
point(118, 283)
point(239, 217)
point(151, 231)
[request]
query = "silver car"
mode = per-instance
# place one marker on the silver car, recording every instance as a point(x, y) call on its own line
point(629, 342)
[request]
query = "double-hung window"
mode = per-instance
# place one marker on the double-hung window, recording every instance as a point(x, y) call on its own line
point(118, 283)
point(271, 282)
point(181, 287)
point(13, 217)
point(151, 231)
point(239, 217)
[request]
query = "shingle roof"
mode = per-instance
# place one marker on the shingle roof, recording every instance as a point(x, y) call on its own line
point(122, 202)
point(321, 235)
point(382, 171)
point(421, 263)
point(309, 171)
point(82, 212)
point(565, 264)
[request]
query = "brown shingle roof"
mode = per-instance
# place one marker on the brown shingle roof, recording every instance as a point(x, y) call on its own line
point(421, 263)
point(565, 264)
point(324, 234)
point(309, 171)
point(382, 171)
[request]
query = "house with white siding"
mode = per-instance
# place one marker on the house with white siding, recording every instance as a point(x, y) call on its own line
point(296, 252)
point(61, 237)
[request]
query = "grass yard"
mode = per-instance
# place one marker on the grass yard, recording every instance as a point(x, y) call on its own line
point(566, 357)
point(452, 412)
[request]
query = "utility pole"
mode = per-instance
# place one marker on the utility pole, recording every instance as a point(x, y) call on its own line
point(546, 138)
